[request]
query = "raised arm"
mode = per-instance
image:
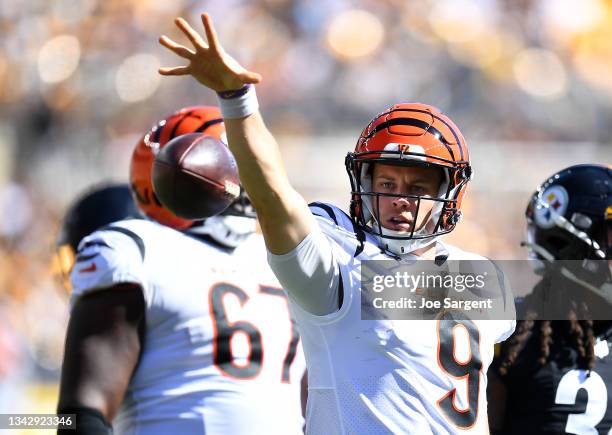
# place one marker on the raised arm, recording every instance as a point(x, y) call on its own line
point(283, 212)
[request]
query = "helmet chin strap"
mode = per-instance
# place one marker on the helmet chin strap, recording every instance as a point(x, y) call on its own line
point(229, 231)
point(402, 246)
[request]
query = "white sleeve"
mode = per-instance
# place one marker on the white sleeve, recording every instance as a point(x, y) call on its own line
point(310, 274)
point(104, 259)
point(511, 325)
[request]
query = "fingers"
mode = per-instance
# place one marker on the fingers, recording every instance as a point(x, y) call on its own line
point(175, 71)
point(211, 33)
point(193, 36)
point(218, 62)
point(250, 77)
point(176, 48)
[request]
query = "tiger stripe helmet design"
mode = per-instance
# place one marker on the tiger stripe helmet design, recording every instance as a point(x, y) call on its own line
point(196, 119)
point(410, 134)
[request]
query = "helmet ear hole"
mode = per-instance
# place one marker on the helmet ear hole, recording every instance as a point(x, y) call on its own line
point(462, 175)
point(450, 218)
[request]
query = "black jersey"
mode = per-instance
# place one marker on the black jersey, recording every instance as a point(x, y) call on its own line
point(558, 398)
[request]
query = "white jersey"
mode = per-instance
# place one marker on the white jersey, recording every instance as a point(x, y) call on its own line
point(221, 354)
point(389, 376)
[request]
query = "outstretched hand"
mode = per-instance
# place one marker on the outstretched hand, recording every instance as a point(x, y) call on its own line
point(209, 64)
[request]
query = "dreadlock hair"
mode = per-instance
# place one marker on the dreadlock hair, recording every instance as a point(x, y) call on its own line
point(577, 334)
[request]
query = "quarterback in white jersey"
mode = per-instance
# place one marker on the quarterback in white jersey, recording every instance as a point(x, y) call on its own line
point(408, 175)
point(383, 376)
point(212, 349)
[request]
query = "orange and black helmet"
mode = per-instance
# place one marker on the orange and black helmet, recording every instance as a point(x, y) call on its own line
point(411, 134)
point(196, 119)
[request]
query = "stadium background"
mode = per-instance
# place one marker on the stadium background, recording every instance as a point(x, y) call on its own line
point(527, 81)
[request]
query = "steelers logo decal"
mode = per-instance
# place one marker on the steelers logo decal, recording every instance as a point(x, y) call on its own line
point(556, 198)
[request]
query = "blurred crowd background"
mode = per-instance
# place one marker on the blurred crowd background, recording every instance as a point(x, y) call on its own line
point(528, 81)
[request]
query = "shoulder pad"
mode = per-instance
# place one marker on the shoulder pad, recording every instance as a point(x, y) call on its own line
point(337, 225)
point(109, 256)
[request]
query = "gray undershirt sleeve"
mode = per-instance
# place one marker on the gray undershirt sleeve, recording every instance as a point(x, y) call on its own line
point(310, 274)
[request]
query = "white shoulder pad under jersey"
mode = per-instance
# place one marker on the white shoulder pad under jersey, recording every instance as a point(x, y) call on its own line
point(339, 228)
point(112, 255)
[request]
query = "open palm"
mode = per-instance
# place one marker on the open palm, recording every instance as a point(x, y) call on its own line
point(209, 64)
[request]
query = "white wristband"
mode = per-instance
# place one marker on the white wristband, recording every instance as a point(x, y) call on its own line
point(239, 103)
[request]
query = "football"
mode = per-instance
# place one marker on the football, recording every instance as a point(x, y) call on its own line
point(195, 176)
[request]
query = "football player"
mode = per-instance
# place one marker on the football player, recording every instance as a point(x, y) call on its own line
point(409, 172)
point(555, 377)
point(179, 326)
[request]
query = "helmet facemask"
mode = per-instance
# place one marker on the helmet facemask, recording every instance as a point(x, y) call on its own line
point(433, 216)
point(568, 223)
point(409, 135)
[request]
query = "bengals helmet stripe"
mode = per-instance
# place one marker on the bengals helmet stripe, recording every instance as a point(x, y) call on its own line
point(425, 126)
point(207, 124)
point(180, 121)
point(451, 128)
point(157, 134)
point(414, 123)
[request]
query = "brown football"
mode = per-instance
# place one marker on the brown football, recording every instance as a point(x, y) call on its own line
point(195, 176)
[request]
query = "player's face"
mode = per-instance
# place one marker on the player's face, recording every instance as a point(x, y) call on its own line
point(397, 213)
